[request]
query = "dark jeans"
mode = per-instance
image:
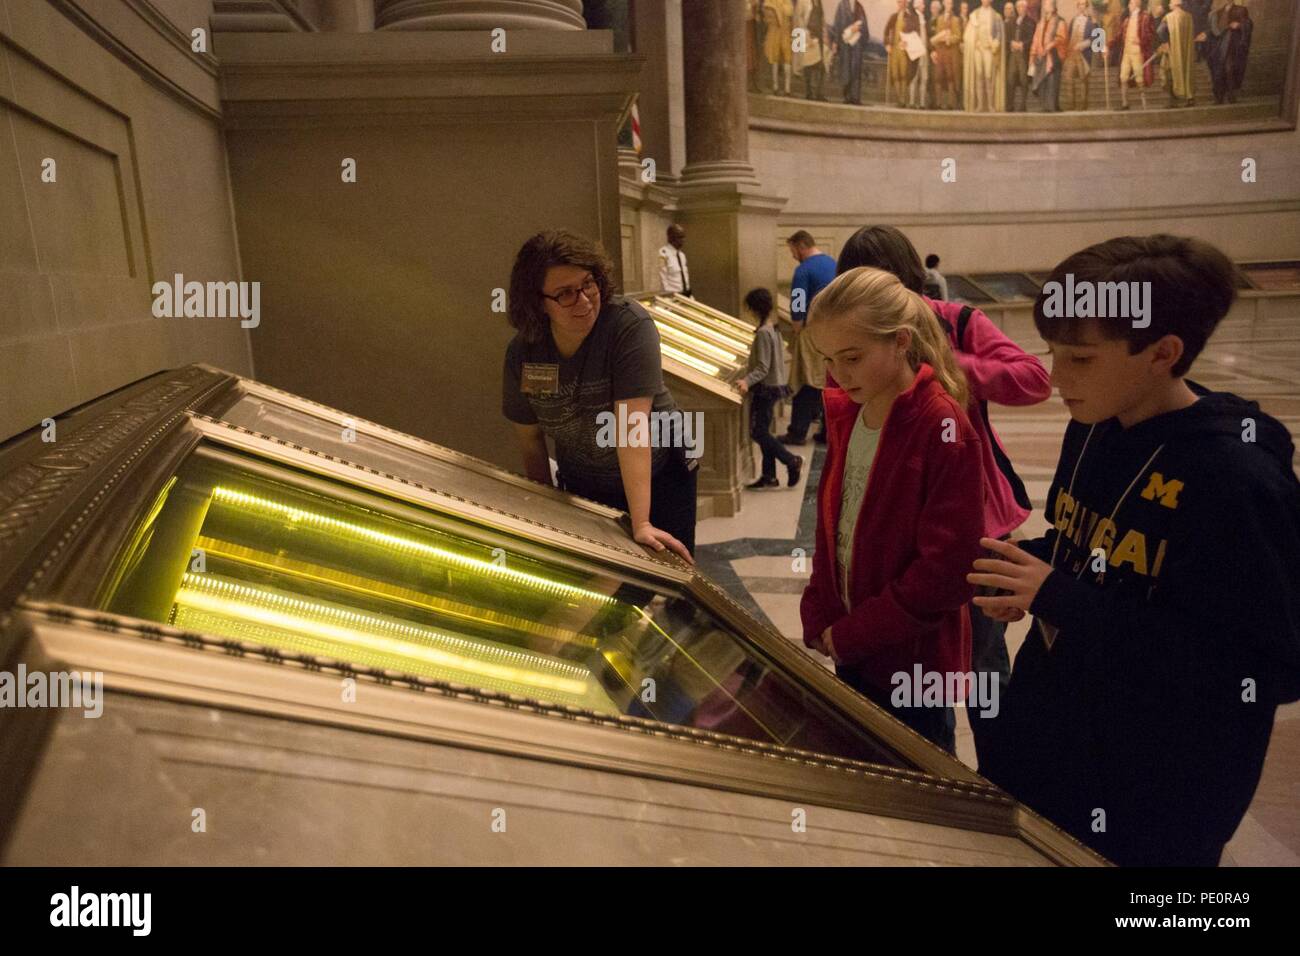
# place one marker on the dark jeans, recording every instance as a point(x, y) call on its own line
point(988, 653)
point(672, 497)
point(761, 400)
point(807, 408)
point(936, 724)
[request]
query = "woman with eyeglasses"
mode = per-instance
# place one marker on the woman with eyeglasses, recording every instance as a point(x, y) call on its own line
point(583, 362)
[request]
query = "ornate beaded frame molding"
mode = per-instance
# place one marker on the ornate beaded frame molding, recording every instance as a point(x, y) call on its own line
point(166, 634)
point(29, 491)
point(289, 399)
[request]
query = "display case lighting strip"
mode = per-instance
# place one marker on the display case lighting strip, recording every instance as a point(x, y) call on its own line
point(677, 354)
point(695, 305)
point(738, 345)
point(206, 592)
point(322, 522)
point(726, 325)
point(700, 328)
point(691, 341)
point(444, 607)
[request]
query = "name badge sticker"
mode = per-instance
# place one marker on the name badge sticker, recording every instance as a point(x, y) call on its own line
point(540, 379)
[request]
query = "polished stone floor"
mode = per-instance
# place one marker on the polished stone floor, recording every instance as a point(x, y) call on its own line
point(752, 554)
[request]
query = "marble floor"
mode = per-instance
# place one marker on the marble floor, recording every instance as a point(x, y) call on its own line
point(752, 554)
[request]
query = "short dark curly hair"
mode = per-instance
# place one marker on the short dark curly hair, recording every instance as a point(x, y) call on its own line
point(527, 310)
point(759, 301)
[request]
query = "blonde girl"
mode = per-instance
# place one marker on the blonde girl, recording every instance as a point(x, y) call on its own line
point(900, 504)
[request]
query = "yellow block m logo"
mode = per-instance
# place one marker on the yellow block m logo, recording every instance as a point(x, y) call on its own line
point(1166, 491)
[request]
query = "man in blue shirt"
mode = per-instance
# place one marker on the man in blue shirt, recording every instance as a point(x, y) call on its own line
point(807, 374)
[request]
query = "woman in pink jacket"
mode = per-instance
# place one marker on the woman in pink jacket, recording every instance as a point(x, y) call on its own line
point(997, 370)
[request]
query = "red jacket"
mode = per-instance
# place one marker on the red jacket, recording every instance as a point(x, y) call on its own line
point(916, 536)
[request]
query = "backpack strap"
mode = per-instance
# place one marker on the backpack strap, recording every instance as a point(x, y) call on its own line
point(1018, 490)
point(963, 320)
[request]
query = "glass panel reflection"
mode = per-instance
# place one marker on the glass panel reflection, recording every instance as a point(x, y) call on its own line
point(241, 548)
point(961, 289)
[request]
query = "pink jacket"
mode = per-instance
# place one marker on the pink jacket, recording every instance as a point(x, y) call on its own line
point(1001, 372)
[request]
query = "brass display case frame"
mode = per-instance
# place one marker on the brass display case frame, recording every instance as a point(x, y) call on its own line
point(728, 461)
point(65, 511)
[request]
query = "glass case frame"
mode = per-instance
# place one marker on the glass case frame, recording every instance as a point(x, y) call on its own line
point(120, 450)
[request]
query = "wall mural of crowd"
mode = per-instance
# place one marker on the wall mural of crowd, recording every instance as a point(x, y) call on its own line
point(1029, 55)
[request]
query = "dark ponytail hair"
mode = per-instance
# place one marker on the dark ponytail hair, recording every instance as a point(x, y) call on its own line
point(883, 247)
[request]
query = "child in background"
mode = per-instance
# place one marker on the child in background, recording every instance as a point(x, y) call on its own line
point(766, 381)
point(901, 494)
point(1166, 593)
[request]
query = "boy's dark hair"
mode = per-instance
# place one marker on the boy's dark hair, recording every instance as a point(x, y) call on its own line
point(526, 310)
point(802, 239)
point(1193, 285)
point(759, 301)
point(932, 261)
point(883, 247)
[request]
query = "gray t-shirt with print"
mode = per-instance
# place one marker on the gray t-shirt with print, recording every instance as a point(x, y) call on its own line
point(618, 360)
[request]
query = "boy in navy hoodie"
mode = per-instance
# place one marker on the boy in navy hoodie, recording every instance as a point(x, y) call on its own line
point(1166, 593)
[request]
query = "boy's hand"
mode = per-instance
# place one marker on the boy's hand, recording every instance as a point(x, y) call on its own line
point(741, 387)
point(1016, 571)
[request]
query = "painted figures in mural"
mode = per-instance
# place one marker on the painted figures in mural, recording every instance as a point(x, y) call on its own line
point(1013, 56)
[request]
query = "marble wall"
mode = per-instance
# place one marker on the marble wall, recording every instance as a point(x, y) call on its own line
point(1026, 205)
point(138, 190)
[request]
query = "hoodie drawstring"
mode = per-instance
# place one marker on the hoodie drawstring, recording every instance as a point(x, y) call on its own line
point(1050, 637)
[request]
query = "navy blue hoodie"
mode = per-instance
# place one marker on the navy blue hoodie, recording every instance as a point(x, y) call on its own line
point(1155, 701)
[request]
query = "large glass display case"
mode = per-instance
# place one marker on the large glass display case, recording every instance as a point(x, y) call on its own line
point(301, 616)
point(238, 548)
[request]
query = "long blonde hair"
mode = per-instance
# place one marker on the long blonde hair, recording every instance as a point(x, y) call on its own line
point(876, 303)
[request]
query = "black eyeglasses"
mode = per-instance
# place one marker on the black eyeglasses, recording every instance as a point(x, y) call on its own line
point(569, 297)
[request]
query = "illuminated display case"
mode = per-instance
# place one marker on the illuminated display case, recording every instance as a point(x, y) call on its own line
point(700, 338)
point(301, 618)
point(704, 352)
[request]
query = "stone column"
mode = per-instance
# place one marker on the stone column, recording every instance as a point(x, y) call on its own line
point(717, 108)
point(479, 14)
point(731, 238)
point(657, 36)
